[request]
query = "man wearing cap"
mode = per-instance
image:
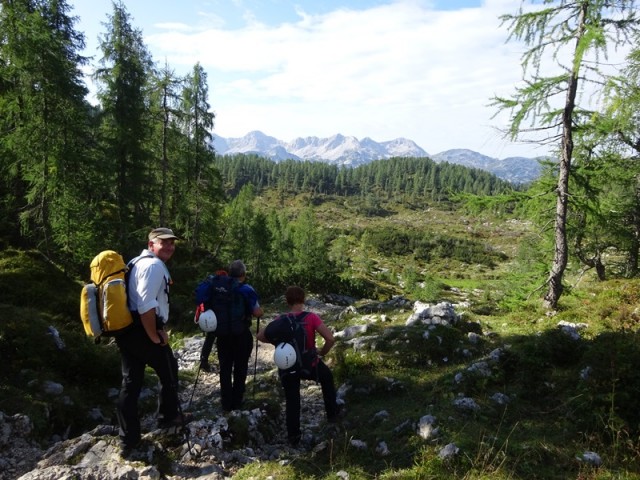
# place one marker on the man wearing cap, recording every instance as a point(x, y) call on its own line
point(147, 342)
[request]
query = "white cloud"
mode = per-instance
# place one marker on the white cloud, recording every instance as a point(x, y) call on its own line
point(174, 26)
point(395, 70)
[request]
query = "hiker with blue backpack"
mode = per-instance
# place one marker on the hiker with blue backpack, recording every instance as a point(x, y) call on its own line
point(298, 329)
point(210, 330)
point(233, 303)
point(146, 342)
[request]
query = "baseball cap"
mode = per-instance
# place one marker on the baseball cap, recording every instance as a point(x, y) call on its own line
point(161, 233)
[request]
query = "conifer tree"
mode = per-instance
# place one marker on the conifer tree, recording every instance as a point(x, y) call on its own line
point(566, 42)
point(200, 189)
point(610, 149)
point(122, 79)
point(166, 137)
point(310, 267)
point(43, 117)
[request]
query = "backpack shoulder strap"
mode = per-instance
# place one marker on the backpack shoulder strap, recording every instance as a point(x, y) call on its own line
point(130, 265)
point(300, 317)
point(117, 272)
point(135, 260)
point(127, 274)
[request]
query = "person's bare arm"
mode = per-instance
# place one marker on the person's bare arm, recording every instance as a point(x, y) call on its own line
point(260, 336)
point(329, 341)
point(148, 320)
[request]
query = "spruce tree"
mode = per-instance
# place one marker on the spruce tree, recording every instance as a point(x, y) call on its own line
point(201, 187)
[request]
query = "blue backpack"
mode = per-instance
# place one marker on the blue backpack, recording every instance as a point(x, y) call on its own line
point(221, 294)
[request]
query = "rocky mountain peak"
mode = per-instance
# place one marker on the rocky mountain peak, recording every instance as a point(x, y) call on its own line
point(350, 152)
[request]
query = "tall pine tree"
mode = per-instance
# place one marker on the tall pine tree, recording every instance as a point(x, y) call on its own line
point(201, 189)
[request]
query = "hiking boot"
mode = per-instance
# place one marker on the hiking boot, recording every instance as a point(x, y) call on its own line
point(294, 440)
point(339, 415)
point(205, 367)
point(178, 421)
point(128, 449)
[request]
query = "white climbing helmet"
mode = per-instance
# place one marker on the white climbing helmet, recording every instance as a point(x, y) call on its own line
point(208, 321)
point(284, 356)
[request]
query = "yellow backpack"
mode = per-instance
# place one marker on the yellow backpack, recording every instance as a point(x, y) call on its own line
point(103, 302)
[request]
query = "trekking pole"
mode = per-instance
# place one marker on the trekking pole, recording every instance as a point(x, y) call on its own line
point(195, 320)
point(255, 363)
point(194, 385)
point(193, 391)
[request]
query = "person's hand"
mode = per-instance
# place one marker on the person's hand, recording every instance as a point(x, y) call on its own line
point(164, 337)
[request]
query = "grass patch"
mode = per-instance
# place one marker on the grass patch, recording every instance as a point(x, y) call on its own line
point(85, 372)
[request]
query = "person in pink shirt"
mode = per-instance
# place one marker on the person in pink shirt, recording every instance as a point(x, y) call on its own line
point(320, 372)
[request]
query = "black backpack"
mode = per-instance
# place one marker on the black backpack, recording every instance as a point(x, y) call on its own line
point(221, 294)
point(290, 328)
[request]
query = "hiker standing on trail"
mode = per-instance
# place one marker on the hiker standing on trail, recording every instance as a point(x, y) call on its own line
point(209, 339)
point(320, 372)
point(147, 341)
point(235, 346)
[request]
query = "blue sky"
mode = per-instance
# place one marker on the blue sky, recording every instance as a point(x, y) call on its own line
point(422, 70)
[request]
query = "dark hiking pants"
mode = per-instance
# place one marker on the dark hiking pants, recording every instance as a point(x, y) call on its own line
point(234, 352)
point(137, 351)
point(291, 384)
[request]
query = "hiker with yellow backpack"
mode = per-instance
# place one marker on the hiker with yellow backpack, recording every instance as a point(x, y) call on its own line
point(146, 342)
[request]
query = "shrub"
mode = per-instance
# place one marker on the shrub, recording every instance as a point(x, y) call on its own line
point(610, 381)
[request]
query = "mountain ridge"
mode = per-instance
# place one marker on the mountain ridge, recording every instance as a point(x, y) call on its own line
point(350, 152)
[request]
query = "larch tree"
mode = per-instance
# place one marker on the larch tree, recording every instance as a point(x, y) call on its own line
point(123, 79)
point(615, 137)
point(567, 42)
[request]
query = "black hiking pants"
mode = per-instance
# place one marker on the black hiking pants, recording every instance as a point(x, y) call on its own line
point(136, 352)
point(234, 352)
point(207, 346)
point(291, 384)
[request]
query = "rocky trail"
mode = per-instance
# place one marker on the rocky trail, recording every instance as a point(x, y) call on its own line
point(213, 446)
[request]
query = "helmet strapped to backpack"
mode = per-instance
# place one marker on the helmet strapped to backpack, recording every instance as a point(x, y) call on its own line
point(284, 356)
point(290, 329)
point(208, 321)
point(222, 294)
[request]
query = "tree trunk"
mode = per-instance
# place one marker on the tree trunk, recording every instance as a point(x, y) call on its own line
point(561, 253)
point(632, 256)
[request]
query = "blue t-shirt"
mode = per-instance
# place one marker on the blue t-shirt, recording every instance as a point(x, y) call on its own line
point(251, 295)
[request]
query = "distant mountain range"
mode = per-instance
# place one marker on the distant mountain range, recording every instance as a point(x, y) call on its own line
point(349, 151)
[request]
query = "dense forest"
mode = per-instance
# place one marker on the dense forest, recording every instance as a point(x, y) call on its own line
point(409, 178)
point(77, 177)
